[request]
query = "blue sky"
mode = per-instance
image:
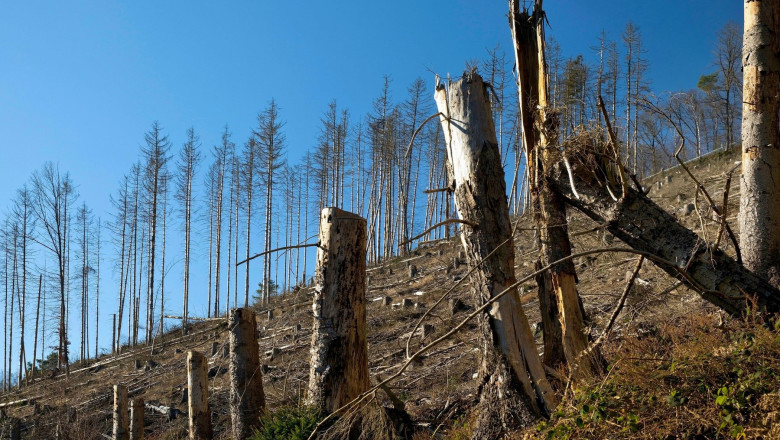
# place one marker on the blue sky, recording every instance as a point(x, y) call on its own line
point(80, 82)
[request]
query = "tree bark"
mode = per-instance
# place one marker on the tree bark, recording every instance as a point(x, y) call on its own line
point(759, 213)
point(513, 389)
point(645, 226)
point(120, 413)
point(339, 350)
point(565, 333)
point(198, 397)
point(247, 400)
point(137, 419)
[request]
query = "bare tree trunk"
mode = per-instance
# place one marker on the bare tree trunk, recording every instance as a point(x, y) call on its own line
point(37, 320)
point(339, 351)
point(513, 389)
point(137, 419)
point(120, 413)
point(247, 400)
point(759, 213)
point(198, 397)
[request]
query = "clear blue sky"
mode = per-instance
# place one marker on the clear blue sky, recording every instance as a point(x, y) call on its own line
point(80, 82)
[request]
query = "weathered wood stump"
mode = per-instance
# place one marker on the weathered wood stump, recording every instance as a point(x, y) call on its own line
point(137, 419)
point(198, 397)
point(339, 350)
point(247, 400)
point(120, 413)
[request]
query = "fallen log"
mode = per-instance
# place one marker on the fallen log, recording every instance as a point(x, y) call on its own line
point(632, 217)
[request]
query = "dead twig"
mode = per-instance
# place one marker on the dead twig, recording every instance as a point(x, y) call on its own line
point(438, 225)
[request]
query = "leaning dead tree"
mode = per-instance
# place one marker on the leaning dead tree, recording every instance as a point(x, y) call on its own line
point(513, 389)
point(563, 317)
point(247, 400)
point(339, 350)
point(590, 178)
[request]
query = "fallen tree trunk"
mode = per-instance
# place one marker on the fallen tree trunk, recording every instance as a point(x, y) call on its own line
point(640, 223)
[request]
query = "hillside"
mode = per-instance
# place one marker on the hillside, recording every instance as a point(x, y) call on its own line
point(658, 347)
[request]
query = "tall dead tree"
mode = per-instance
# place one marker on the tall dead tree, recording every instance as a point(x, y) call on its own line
point(188, 161)
point(562, 314)
point(339, 350)
point(249, 168)
point(155, 154)
point(54, 194)
point(759, 213)
point(271, 143)
point(513, 389)
point(247, 400)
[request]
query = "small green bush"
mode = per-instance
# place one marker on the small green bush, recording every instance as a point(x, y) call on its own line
point(295, 423)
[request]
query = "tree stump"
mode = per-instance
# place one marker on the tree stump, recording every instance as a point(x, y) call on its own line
point(513, 388)
point(247, 400)
point(120, 413)
point(198, 397)
point(339, 350)
point(137, 419)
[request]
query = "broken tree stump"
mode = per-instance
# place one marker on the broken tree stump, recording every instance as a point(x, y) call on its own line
point(137, 419)
point(120, 413)
point(247, 400)
point(198, 397)
point(339, 350)
point(513, 389)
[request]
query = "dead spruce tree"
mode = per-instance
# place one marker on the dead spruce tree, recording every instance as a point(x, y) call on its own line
point(189, 157)
point(759, 213)
point(513, 389)
point(562, 314)
point(339, 351)
point(247, 400)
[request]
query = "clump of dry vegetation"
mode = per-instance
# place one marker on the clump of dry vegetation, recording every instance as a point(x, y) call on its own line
point(696, 378)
